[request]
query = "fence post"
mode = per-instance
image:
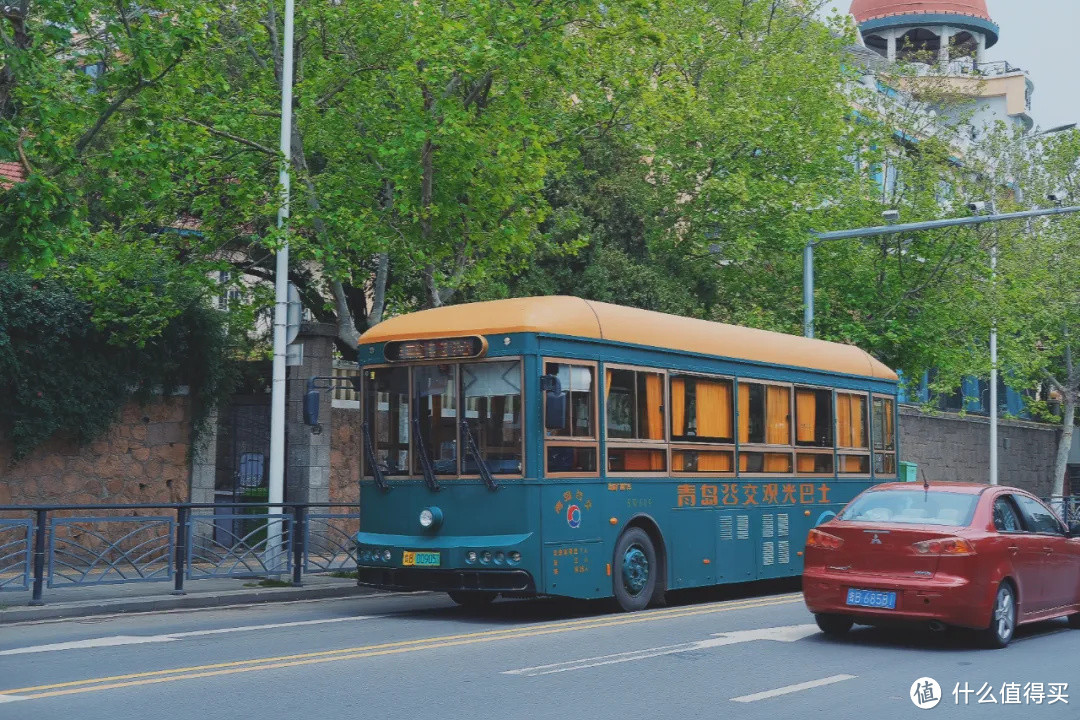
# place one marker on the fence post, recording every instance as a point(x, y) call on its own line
point(299, 541)
point(39, 557)
point(183, 515)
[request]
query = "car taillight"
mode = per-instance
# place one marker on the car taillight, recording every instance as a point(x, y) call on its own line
point(945, 546)
point(823, 540)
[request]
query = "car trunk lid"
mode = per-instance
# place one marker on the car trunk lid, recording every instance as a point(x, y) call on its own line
point(883, 549)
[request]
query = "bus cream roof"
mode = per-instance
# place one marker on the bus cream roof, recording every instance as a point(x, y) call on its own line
point(575, 317)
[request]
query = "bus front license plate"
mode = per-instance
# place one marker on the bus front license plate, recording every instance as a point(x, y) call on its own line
point(421, 559)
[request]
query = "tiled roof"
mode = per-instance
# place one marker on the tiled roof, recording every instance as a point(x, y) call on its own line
point(864, 10)
point(11, 173)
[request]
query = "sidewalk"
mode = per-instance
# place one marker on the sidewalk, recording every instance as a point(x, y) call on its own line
point(86, 600)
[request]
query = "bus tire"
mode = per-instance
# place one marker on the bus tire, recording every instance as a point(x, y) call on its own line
point(636, 570)
point(472, 598)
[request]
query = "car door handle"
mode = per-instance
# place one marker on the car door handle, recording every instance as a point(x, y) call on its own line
point(1014, 549)
point(1049, 551)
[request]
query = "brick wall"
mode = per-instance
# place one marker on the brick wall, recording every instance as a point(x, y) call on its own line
point(142, 458)
point(947, 446)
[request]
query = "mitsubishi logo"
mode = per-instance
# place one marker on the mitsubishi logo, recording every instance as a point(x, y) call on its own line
point(875, 540)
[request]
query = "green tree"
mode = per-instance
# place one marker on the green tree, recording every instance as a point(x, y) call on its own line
point(1037, 297)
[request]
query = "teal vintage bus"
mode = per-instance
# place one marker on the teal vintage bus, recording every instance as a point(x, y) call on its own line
point(560, 446)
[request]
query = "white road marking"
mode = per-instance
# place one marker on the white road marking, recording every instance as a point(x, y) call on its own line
point(787, 633)
point(10, 698)
point(143, 639)
point(792, 688)
point(267, 604)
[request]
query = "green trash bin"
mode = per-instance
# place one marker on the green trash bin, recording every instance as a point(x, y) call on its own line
point(908, 472)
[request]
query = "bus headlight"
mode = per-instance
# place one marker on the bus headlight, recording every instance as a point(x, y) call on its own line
point(470, 557)
point(499, 558)
point(515, 557)
point(386, 555)
point(431, 518)
point(485, 557)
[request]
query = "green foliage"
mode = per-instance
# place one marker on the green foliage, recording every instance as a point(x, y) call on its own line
point(66, 365)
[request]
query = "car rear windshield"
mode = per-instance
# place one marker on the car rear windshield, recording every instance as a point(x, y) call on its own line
point(914, 507)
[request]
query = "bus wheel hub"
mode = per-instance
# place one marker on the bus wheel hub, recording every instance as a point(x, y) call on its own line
point(635, 570)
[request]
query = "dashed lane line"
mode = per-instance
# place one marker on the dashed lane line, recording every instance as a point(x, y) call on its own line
point(788, 689)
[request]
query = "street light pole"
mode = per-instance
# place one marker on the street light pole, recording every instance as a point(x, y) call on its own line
point(993, 374)
point(808, 289)
point(276, 490)
point(820, 237)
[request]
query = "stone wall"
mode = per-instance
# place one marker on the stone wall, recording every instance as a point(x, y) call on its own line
point(345, 448)
point(947, 446)
point(142, 458)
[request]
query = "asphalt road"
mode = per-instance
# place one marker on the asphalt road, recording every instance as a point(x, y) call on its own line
point(748, 653)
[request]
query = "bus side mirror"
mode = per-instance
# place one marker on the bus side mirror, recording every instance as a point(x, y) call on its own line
point(554, 403)
point(311, 404)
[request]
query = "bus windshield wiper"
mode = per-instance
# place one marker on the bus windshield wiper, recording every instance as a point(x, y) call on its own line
point(372, 461)
point(474, 452)
point(425, 461)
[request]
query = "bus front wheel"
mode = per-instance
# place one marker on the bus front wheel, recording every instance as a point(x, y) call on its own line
point(635, 576)
point(472, 598)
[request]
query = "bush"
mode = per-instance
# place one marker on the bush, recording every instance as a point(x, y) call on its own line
point(64, 368)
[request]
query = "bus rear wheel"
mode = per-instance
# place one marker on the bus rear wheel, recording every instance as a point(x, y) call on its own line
point(472, 598)
point(635, 577)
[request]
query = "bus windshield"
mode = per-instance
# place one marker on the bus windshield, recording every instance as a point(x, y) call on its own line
point(413, 410)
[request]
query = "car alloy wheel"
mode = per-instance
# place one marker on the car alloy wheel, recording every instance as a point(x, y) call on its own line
point(1003, 618)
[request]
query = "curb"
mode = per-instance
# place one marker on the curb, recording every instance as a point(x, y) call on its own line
point(174, 602)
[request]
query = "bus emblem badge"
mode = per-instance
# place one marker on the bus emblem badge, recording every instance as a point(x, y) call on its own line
point(573, 516)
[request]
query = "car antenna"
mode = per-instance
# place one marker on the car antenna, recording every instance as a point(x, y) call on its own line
point(925, 482)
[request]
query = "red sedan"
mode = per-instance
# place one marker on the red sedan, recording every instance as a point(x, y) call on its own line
point(963, 554)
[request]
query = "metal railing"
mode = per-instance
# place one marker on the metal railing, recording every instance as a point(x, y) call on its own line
point(1067, 508)
point(67, 545)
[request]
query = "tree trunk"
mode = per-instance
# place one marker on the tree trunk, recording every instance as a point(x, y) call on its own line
point(1063, 449)
point(1071, 392)
point(378, 300)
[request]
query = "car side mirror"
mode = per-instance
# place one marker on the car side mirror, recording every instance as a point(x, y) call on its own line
point(1074, 530)
point(554, 402)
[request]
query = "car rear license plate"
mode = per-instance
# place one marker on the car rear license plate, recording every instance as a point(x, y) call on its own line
point(883, 599)
point(421, 559)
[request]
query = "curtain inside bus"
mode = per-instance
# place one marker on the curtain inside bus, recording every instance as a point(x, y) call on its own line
point(491, 395)
point(851, 420)
point(778, 415)
point(653, 410)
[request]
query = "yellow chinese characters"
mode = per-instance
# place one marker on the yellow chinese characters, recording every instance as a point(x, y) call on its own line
point(746, 494)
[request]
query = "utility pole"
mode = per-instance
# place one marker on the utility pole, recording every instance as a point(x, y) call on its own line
point(276, 491)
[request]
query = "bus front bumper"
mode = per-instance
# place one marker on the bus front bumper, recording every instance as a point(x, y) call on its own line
point(445, 580)
point(444, 562)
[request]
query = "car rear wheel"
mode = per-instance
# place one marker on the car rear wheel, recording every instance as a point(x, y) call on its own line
point(1074, 621)
point(635, 577)
point(834, 624)
point(1002, 619)
point(472, 598)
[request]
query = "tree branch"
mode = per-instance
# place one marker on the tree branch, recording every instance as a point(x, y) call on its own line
point(123, 97)
point(229, 136)
point(22, 153)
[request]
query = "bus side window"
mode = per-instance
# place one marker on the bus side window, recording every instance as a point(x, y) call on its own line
point(572, 449)
point(578, 382)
